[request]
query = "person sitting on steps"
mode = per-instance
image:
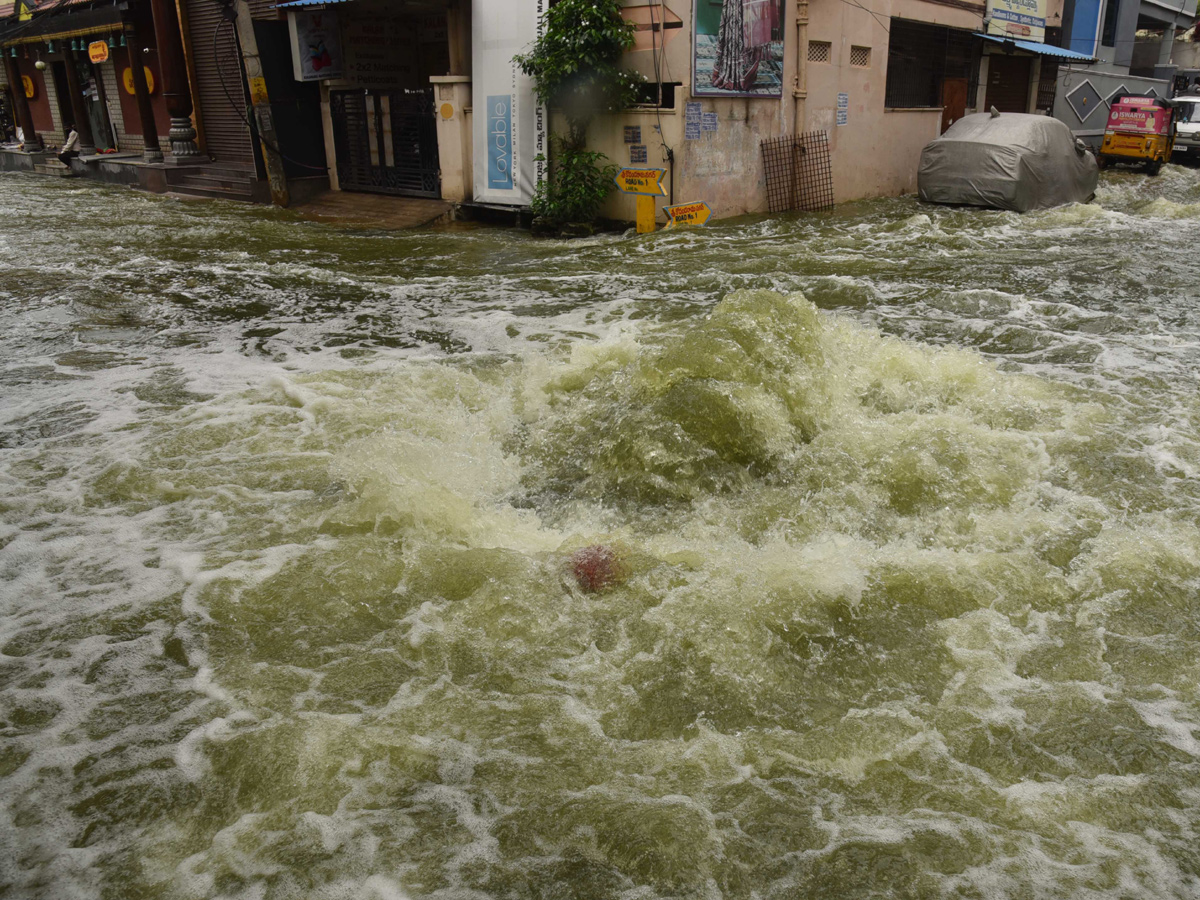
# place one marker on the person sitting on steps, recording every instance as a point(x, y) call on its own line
point(70, 149)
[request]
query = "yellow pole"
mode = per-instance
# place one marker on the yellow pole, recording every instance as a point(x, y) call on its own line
point(645, 213)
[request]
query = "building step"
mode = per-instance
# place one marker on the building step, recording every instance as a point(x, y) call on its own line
point(242, 195)
point(226, 172)
point(54, 168)
point(212, 181)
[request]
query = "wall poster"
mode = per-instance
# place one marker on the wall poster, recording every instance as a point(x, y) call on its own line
point(508, 125)
point(316, 45)
point(381, 51)
point(737, 48)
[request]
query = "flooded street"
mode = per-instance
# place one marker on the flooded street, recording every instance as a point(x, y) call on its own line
point(901, 503)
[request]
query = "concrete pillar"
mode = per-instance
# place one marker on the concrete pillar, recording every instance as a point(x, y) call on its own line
point(452, 96)
point(1168, 43)
point(1035, 79)
point(33, 143)
point(264, 120)
point(151, 152)
point(981, 88)
point(458, 36)
point(172, 66)
point(83, 125)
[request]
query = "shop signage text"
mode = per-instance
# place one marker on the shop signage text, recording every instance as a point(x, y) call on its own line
point(499, 138)
point(641, 181)
point(687, 214)
point(1023, 19)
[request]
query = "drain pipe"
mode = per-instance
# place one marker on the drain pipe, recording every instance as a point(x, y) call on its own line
point(800, 84)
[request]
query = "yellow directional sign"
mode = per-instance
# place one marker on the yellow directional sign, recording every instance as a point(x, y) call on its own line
point(687, 214)
point(641, 181)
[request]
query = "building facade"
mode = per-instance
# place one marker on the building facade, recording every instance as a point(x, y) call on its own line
point(1108, 29)
point(748, 105)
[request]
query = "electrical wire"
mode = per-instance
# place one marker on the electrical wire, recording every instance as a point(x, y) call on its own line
point(662, 137)
point(22, 27)
point(240, 109)
point(878, 18)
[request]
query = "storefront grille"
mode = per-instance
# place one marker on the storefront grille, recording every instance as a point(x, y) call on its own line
point(798, 170)
point(1048, 84)
point(386, 141)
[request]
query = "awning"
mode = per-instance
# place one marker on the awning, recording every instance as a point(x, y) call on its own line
point(296, 3)
point(1040, 49)
point(66, 24)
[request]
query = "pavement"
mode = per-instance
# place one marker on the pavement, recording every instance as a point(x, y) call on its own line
point(373, 210)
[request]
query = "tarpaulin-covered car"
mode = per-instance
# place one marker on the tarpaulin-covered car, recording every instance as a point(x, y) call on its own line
point(1007, 161)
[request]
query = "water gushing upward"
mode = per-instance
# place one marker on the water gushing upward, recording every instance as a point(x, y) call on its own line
point(849, 555)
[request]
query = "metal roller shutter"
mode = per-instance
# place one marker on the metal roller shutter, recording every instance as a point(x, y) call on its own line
point(264, 10)
point(226, 136)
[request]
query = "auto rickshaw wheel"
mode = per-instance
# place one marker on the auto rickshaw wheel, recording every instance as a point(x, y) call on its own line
point(1154, 166)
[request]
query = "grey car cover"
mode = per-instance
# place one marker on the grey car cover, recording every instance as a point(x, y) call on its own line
point(1007, 161)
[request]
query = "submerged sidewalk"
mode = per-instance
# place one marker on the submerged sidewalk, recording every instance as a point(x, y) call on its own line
point(205, 179)
point(374, 210)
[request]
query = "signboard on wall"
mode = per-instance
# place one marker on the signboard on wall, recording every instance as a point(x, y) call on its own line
point(316, 45)
point(509, 127)
point(737, 48)
point(1024, 20)
point(380, 51)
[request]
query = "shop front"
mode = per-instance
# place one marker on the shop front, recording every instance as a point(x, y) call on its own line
point(75, 69)
point(375, 66)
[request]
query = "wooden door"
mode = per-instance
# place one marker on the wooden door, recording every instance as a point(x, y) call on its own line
point(1008, 83)
point(954, 101)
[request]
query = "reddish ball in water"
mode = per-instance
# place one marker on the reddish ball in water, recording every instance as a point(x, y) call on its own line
point(596, 568)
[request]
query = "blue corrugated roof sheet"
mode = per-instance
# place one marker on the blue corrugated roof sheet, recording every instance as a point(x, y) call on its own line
point(1036, 47)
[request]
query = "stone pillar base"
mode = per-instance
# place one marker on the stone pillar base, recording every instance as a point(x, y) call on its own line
point(183, 138)
point(152, 155)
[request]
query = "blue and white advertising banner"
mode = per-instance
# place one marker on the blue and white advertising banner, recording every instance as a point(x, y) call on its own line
point(509, 128)
point(1023, 20)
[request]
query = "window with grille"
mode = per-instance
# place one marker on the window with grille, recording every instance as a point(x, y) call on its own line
point(921, 57)
point(1048, 84)
point(1112, 11)
point(820, 51)
point(860, 56)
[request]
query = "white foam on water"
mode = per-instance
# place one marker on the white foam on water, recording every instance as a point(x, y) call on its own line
point(272, 533)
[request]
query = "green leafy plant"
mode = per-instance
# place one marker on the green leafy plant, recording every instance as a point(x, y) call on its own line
point(578, 185)
point(576, 68)
point(576, 63)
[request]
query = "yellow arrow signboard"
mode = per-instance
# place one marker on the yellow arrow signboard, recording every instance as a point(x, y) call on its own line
point(641, 181)
point(687, 214)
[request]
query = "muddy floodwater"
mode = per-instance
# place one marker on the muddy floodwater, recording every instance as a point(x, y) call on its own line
point(896, 508)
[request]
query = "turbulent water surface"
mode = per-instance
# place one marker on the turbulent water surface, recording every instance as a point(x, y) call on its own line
point(900, 530)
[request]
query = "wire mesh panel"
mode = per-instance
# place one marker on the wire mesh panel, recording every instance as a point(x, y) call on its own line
point(799, 174)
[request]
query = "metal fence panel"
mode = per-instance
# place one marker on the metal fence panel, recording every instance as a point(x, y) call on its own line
point(799, 172)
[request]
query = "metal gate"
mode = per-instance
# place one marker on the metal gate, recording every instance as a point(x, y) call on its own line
point(386, 141)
